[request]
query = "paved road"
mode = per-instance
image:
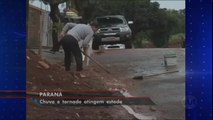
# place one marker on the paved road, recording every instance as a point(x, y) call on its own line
point(167, 91)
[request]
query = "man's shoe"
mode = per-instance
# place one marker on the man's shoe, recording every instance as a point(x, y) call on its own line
point(80, 75)
point(74, 75)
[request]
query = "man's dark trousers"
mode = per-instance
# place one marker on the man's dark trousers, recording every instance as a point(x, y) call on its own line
point(70, 46)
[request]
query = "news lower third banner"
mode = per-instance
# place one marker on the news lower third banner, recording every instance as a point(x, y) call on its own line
point(78, 98)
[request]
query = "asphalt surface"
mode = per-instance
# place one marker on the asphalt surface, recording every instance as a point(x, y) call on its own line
point(167, 90)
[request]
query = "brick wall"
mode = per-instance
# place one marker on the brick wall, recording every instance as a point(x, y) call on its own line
point(33, 28)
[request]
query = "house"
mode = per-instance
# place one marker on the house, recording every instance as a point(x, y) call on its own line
point(39, 28)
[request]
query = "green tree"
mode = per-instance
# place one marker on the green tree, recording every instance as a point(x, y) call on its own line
point(149, 20)
point(56, 18)
point(160, 30)
point(159, 24)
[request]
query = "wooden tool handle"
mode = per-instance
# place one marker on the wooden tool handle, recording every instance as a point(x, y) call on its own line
point(101, 66)
point(162, 73)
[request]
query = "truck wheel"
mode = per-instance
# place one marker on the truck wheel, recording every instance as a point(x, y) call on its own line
point(128, 44)
point(95, 45)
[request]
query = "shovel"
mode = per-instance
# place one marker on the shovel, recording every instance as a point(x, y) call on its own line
point(148, 76)
point(101, 66)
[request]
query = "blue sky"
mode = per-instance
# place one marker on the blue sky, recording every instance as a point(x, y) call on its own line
point(169, 4)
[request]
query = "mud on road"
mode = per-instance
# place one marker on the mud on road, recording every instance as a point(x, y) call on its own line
point(167, 91)
point(55, 78)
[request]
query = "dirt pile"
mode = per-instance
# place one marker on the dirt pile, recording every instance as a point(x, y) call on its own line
point(41, 75)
